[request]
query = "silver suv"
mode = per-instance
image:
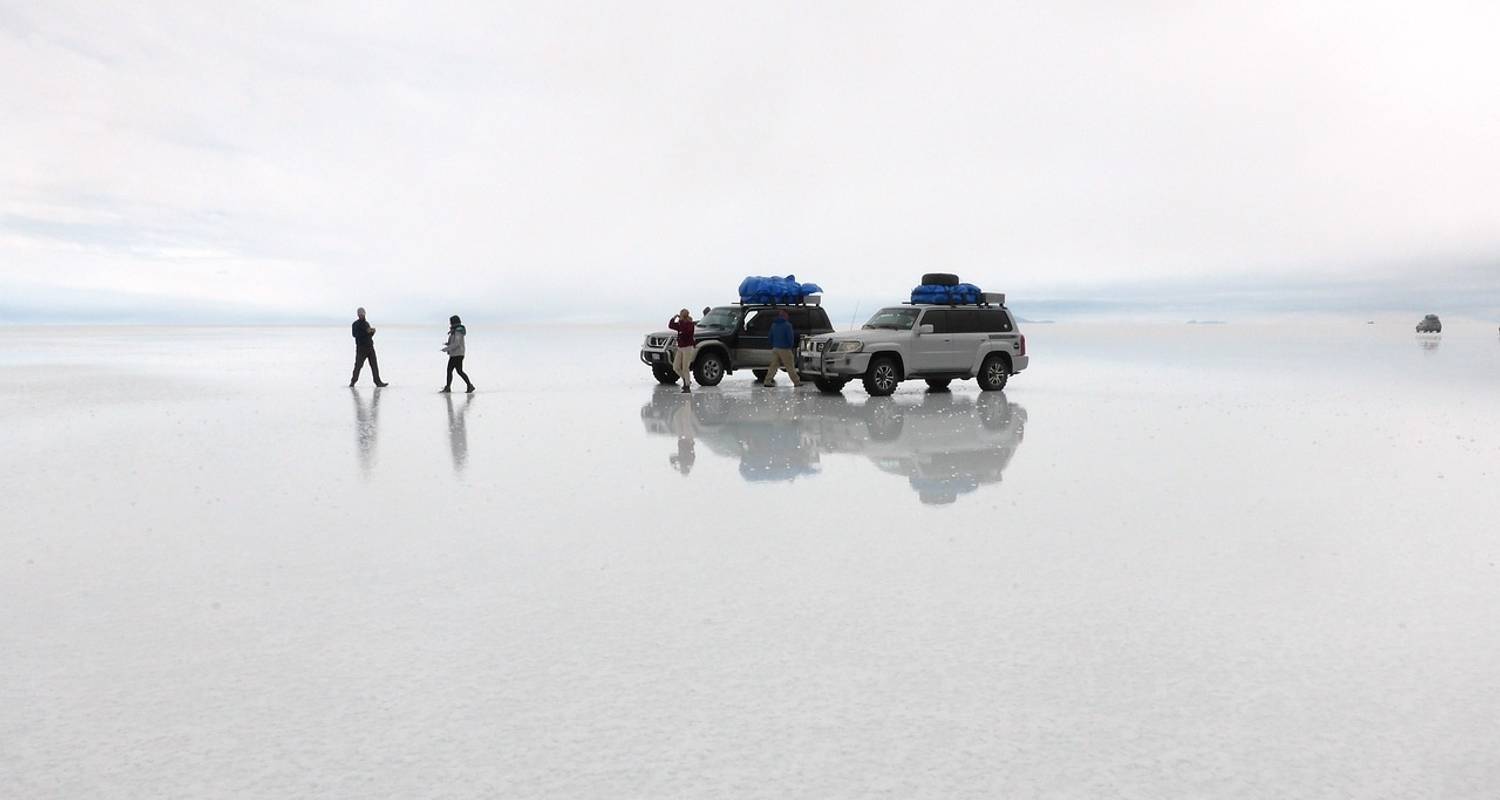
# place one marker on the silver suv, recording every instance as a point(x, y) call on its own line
point(935, 343)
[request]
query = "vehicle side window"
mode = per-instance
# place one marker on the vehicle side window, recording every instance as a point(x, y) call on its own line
point(759, 322)
point(991, 322)
point(941, 321)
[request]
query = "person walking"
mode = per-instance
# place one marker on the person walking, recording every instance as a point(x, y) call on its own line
point(455, 350)
point(783, 350)
point(364, 349)
point(687, 346)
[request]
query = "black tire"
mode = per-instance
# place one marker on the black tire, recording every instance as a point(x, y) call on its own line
point(829, 385)
point(994, 372)
point(938, 384)
point(665, 375)
point(760, 375)
point(882, 377)
point(940, 279)
point(710, 368)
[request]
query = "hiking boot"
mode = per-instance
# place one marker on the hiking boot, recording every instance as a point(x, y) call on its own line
point(382, 384)
point(469, 390)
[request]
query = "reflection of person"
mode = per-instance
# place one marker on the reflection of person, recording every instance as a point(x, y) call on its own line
point(455, 350)
point(682, 360)
point(783, 344)
point(458, 434)
point(366, 419)
point(364, 349)
point(684, 424)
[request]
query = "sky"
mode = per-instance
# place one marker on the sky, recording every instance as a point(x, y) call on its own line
point(560, 160)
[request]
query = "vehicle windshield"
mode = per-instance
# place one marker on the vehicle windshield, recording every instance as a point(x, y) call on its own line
point(896, 319)
point(721, 317)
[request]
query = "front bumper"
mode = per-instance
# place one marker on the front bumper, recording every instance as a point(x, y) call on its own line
point(833, 365)
point(657, 357)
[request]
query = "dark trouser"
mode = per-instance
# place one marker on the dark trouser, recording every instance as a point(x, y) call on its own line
point(456, 364)
point(362, 354)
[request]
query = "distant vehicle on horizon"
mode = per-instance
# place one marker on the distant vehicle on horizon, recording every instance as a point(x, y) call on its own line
point(1430, 324)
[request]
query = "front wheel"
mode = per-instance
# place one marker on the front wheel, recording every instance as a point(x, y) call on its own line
point(829, 385)
point(665, 375)
point(993, 373)
point(882, 376)
point(710, 369)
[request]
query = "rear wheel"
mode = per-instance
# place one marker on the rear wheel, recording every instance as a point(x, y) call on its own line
point(829, 385)
point(940, 279)
point(882, 376)
point(938, 384)
point(709, 369)
point(665, 375)
point(994, 372)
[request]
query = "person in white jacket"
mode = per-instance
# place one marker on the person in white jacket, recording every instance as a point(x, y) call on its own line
point(455, 350)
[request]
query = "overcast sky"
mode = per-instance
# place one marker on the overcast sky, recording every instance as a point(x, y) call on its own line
point(604, 160)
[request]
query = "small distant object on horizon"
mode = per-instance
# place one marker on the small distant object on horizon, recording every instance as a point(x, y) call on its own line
point(1430, 324)
point(1026, 321)
point(1207, 322)
point(1369, 322)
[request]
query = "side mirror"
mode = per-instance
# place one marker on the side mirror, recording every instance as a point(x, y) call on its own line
point(924, 329)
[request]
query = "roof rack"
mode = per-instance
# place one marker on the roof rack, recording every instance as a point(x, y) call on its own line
point(986, 300)
point(810, 300)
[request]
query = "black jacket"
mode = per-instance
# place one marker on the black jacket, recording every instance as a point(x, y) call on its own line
point(362, 335)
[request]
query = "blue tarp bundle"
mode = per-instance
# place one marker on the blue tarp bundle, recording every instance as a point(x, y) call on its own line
point(757, 289)
point(962, 294)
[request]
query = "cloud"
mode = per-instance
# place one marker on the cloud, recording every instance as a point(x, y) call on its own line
point(529, 159)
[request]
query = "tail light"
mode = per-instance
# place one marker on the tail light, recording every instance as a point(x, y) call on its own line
point(1023, 344)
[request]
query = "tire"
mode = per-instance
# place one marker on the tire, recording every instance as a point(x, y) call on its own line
point(829, 385)
point(665, 375)
point(882, 377)
point(940, 279)
point(993, 373)
point(938, 384)
point(760, 375)
point(709, 369)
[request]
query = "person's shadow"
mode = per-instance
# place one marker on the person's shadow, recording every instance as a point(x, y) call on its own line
point(366, 421)
point(458, 433)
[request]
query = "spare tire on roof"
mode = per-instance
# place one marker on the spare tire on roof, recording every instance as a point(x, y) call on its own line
point(940, 279)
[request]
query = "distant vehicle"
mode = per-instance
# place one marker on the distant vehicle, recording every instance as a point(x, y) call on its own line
point(731, 337)
point(1430, 324)
point(927, 341)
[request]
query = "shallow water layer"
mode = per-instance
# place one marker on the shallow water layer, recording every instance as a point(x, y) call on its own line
point(1167, 561)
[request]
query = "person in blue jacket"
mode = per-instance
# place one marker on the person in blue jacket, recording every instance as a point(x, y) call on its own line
point(783, 350)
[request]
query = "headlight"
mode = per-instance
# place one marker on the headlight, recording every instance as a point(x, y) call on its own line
point(848, 347)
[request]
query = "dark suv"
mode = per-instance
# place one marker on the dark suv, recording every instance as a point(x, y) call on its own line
point(730, 338)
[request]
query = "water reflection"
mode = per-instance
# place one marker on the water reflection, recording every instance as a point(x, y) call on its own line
point(1429, 341)
point(366, 420)
point(458, 433)
point(945, 444)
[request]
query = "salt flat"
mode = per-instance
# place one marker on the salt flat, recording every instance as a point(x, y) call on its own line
point(1169, 561)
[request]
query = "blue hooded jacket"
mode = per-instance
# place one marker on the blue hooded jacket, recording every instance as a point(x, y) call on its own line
point(783, 336)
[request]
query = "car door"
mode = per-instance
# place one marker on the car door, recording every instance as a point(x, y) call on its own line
point(754, 347)
point(970, 330)
point(933, 351)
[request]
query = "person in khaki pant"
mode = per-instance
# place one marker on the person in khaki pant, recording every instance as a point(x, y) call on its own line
point(682, 361)
point(783, 350)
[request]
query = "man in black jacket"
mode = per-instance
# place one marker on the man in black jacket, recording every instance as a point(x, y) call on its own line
point(364, 349)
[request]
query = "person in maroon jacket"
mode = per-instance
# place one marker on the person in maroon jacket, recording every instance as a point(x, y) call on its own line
point(687, 346)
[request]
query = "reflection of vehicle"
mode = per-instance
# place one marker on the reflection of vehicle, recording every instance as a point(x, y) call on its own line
point(946, 444)
point(1430, 324)
point(730, 338)
point(937, 343)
